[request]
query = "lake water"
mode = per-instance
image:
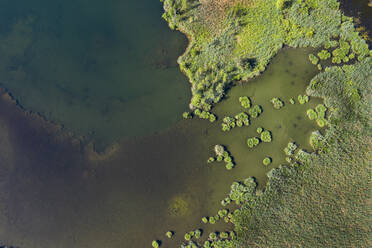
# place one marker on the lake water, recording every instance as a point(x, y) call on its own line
point(55, 192)
point(104, 70)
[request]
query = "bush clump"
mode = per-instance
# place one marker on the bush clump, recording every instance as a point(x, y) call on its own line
point(266, 161)
point(277, 103)
point(245, 102)
point(252, 142)
point(228, 123)
point(324, 55)
point(318, 115)
point(266, 136)
point(259, 130)
point(223, 154)
point(242, 119)
point(255, 111)
point(186, 115)
point(303, 99)
point(291, 101)
point(313, 59)
point(169, 234)
point(204, 220)
point(290, 149)
point(155, 243)
point(311, 114)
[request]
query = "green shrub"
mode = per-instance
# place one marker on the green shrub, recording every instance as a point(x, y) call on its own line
point(186, 115)
point(228, 123)
point(212, 118)
point(245, 102)
point(204, 220)
point(198, 233)
point(311, 114)
point(227, 159)
point(242, 118)
point(187, 236)
point(259, 130)
point(169, 234)
point(321, 122)
point(212, 220)
point(324, 54)
point(255, 111)
point(321, 110)
point(213, 236)
point(229, 165)
point(266, 136)
point(303, 99)
point(290, 149)
point(313, 59)
point(266, 161)
point(210, 160)
point(155, 243)
point(277, 103)
point(219, 158)
point(224, 235)
point(252, 142)
point(291, 101)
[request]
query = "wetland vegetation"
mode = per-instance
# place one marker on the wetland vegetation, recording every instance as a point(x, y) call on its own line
point(233, 42)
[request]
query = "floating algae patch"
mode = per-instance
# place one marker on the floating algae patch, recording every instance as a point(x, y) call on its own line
point(179, 206)
point(103, 70)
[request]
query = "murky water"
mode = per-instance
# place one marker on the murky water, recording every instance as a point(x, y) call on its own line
point(58, 194)
point(105, 70)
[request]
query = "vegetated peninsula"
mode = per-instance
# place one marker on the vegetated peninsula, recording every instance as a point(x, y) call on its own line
point(323, 199)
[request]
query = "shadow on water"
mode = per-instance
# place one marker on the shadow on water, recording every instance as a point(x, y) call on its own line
point(56, 192)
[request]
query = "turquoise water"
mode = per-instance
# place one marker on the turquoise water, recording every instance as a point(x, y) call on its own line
point(104, 70)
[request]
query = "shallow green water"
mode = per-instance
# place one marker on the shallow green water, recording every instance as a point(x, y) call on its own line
point(104, 70)
point(153, 183)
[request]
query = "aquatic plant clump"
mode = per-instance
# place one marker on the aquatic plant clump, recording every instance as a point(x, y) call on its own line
point(252, 142)
point(223, 155)
point(266, 161)
point(303, 99)
point(313, 59)
point(290, 149)
point(266, 136)
point(324, 55)
point(204, 220)
point(228, 123)
point(187, 115)
point(318, 115)
point(255, 111)
point(219, 150)
point(241, 192)
point(277, 103)
point(311, 114)
point(245, 102)
point(169, 234)
point(242, 119)
point(155, 244)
